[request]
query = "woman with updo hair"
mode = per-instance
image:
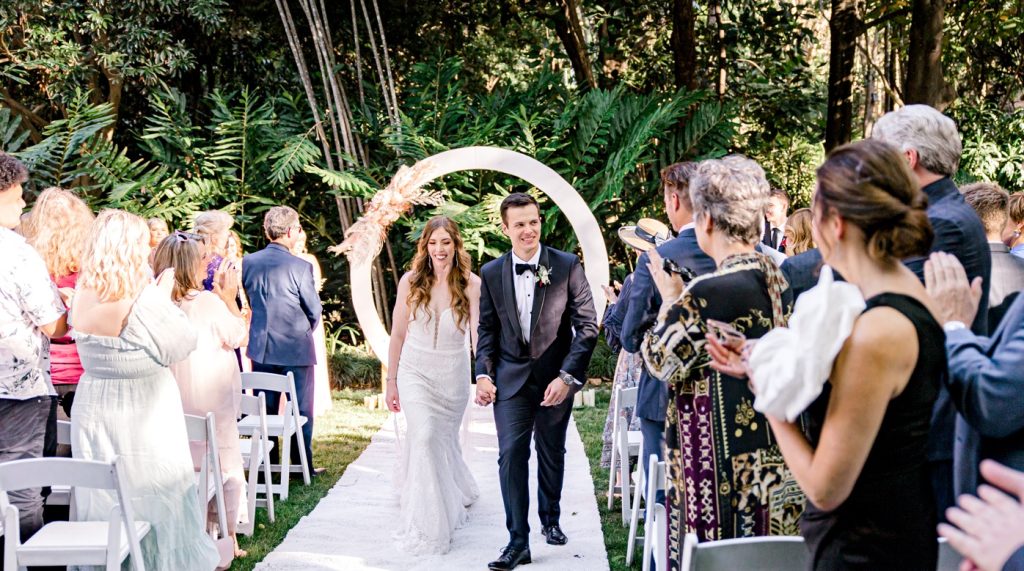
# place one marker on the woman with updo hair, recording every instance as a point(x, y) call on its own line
point(863, 462)
point(726, 477)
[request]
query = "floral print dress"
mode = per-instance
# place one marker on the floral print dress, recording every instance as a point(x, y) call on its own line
point(726, 475)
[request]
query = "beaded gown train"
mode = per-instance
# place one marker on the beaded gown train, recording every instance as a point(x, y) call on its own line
point(434, 481)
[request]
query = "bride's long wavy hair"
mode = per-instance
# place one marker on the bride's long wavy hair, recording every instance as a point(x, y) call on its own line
point(422, 276)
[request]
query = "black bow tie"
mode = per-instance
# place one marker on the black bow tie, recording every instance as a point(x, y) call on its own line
point(520, 268)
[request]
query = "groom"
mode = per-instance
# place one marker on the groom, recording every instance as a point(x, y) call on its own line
point(538, 328)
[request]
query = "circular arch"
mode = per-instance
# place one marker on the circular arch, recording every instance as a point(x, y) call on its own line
point(529, 169)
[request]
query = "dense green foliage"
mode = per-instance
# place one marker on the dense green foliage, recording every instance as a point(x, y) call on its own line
point(170, 107)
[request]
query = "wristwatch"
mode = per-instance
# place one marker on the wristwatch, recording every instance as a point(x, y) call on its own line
point(569, 380)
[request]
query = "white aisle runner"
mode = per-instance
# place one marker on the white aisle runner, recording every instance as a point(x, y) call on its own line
point(350, 529)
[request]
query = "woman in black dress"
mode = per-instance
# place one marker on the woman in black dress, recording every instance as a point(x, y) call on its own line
point(863, 464)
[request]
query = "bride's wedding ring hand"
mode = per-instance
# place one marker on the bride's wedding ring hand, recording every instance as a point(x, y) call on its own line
point(485, 392)
point(556, 393)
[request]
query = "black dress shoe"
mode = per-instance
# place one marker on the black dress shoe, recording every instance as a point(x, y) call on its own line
point(554, 535)
point(511, 557)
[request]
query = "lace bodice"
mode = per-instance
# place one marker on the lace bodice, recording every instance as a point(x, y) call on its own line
point(437, 333)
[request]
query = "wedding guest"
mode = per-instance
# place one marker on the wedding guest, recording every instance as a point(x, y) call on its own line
point(725, 474)
point(234, 254)
point(209, 379)
point(802, 271)
point(127, 405)
point(1016, 238)
point(863, 462)
point(992, 205)
point(215, 227)
point(628, 366)
point(157, 231)
point(60, 223)
point(775, 215)
point(798, 236)
point(285, 311)
point(931, 146)
point(989, 530)
point(986, 374)
point(644, 299)
point(31, 311)
point(321, 378)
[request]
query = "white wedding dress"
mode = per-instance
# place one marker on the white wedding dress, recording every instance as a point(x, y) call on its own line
point(434, 483)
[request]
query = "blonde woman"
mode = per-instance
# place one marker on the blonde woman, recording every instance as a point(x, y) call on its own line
point(798, 232)
point(321, 379)
point(435, 321)
point(209, 379)
point(128, 332)
point(158, 230)
point(215, 227)
point(59, 228)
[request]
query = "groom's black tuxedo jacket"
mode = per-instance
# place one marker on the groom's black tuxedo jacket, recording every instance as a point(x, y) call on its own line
point(563, 331)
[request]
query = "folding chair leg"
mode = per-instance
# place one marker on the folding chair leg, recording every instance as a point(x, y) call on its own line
point(635, 512)
point(286, 465)
point(265, 454)
point(300, 438)
point(615, 457)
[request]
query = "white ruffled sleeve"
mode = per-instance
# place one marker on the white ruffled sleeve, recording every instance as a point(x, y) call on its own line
point(791, 364)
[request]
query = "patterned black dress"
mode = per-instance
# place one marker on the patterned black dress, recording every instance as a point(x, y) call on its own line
point(726, 475)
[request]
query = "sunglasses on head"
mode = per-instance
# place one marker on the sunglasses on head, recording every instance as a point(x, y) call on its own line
point(185, 236)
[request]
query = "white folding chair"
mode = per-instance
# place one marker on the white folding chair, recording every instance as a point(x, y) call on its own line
point(949, 559)
point(659, 522)
point(256, 454)
point(772, 553)
point(209, 478)
point(626, 444)
point(61, 495)
point(655, 483)
point(101, 543)
point(280, 425)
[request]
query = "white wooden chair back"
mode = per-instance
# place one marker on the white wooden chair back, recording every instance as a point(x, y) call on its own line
point(772, 553)
point(204, 430)
point(655, 483)
point(660, 520)
point(64, 432)
point(949, 559)
point(37, 472)
point(256, 454)
point(285, 425)
point(622, 398)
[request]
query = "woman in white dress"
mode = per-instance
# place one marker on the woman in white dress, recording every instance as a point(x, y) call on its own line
point(434, 326)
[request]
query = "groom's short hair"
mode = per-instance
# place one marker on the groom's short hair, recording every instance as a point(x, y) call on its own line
point(517, 200)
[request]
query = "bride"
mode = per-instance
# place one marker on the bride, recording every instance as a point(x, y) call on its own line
point(434, 323)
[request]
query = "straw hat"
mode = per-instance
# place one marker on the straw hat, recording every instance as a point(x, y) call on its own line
point(646, 234)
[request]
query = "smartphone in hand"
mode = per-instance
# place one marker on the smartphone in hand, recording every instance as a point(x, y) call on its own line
point(670, 266)
point(726, 334)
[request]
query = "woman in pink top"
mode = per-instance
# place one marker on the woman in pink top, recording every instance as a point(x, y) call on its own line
point(209, 379)
point(57, 227)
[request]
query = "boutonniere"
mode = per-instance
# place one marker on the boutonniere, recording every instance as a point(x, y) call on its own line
point(543, 276)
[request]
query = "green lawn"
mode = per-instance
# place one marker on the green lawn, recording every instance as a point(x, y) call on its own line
point(344, 432)
point(590, 422)
point(341, 435)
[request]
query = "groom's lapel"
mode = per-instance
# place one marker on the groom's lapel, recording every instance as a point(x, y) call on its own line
point(539, 292)
point(508, 290)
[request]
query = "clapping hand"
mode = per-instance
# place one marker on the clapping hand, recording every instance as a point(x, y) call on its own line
point(990, 527)
point(611, 291)
point(955, 297)
point(730, 361)
point(670, 286)
point(225, 282)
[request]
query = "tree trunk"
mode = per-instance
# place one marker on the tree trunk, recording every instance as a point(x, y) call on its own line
point(715, 23)
point(925, 83)
point(845, 25)
point(567, 26)
point(684, 45)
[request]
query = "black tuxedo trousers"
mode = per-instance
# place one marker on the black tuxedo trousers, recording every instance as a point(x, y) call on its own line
point(521, 417)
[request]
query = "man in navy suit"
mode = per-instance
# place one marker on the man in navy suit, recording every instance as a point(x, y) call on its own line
point(931, 144)
point(644, 300)
point(986, 374)
point(285, 310)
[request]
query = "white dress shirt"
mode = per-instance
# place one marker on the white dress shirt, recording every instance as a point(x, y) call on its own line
point(525, 285)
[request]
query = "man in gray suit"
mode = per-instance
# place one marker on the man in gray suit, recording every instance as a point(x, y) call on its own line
point(992, 203)
point(285, 310)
